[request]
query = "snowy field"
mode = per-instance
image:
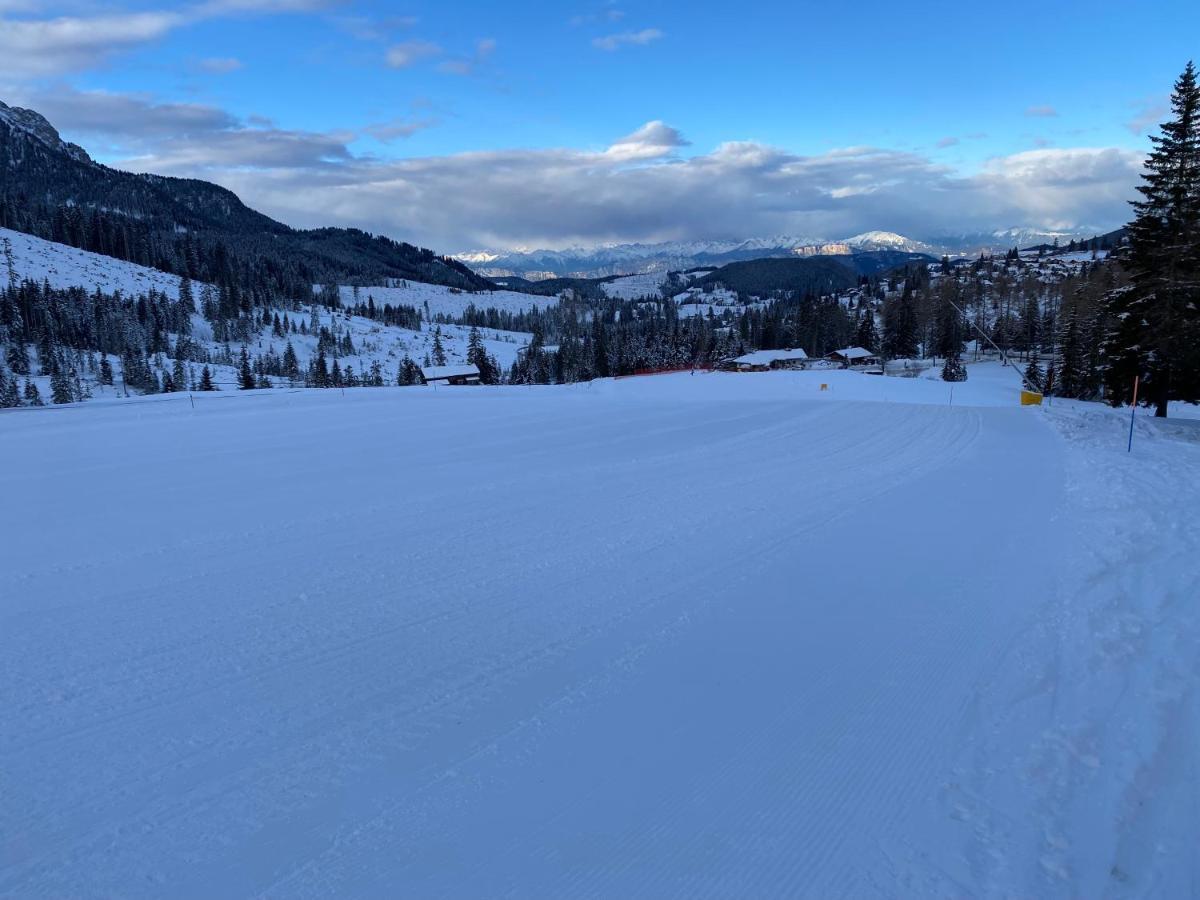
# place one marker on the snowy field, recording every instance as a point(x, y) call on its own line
point(634, 287)
point(438, 299)
point(711, 635)
point(25, 256)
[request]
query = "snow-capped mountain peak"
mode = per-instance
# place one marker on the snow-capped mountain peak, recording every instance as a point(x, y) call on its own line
point(886, 240)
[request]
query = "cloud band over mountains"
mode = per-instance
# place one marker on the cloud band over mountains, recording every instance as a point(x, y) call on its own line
point(639, 188)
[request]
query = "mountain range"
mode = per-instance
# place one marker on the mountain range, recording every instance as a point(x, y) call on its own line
point(637, 258)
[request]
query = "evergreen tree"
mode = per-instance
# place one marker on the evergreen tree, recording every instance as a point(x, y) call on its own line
point(439, 352)
point(106, 370)
point(1076, 378)
point(178, 373)
point(246, 380)
point(866, 336)
point(9, 395)
point(60, 386)
point(320, 370)
point(206, 382)
point(17, 359)
point(1035, 378)
point(949, 333)
point(900, 326)
point(409, 373)
point(954, 370)
point(291, 365)
point(32, 396)
point(599, 348)
point(1156, 332)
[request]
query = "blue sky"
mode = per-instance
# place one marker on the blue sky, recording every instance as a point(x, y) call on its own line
point(798, 117)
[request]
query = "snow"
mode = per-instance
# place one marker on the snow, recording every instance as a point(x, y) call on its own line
point(66, 267)
point(549, 641)
point(439, 299)
point(634, 287)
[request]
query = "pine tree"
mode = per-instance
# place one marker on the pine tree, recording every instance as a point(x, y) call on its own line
point(949, 333)
point(186, 300)
point(17, 359)
point(867, 337)
point(178, 373)
point(439, 352)
point(954, 370)
point(1030, 325)
point(246, 380)
point(60, 386)
point(320, 370)
point(9, 395)
point(410, 373)
point(1035, 378)
point(291, 365)
point(900, 326)
point(1156, 333)
point(1076, 378)
point(106, 370)
point(206, 382)
point(600, 348)
point(32, 396)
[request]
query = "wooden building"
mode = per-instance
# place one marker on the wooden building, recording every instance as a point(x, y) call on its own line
point(853, 358)
point(461, 374)
point(765, 360)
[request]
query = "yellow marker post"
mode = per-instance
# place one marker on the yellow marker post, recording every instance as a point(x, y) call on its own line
point(1031, 398)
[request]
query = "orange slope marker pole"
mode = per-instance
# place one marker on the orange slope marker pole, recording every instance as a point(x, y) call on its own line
point(1132, 413)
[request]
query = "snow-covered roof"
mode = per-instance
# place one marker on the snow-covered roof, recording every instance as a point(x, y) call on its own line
point(766, 357)
point(852, 353)
point(433, 373)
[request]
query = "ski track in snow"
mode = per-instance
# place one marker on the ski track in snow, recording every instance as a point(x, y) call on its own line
point(680, 636)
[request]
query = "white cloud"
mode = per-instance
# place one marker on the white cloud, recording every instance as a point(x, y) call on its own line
point(636, 189)
point(398, 128)
point(1150, 113)
point(54, 46)
point(1041, 112)
point(651, 141)
point(403, 55)
point(613, 42)
point(468, 65)
point(609, 13)
point(221, 65)
point(50, 46)
point(367, 28)
point(558, 197)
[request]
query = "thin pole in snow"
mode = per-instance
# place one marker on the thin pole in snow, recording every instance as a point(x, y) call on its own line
point(1133, 412)
point(191, 399)
point(952, 393)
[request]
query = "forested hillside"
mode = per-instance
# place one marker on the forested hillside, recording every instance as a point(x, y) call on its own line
point(188, 227)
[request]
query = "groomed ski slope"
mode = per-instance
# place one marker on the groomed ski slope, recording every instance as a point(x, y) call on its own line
point(709, 635)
